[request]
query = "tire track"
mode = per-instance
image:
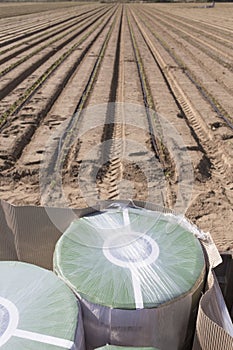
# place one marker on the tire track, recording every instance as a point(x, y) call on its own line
point(29, 115)
point(62, 153)
point(194, 119)
point(212, 100)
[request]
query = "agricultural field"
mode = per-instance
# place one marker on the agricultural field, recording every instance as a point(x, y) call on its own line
point(119, 101)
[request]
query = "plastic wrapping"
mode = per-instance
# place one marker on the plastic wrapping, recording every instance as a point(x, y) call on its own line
point(37, 310)
point(138, 274)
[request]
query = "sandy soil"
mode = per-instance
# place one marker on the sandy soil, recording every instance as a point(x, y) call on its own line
point(185, 61)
